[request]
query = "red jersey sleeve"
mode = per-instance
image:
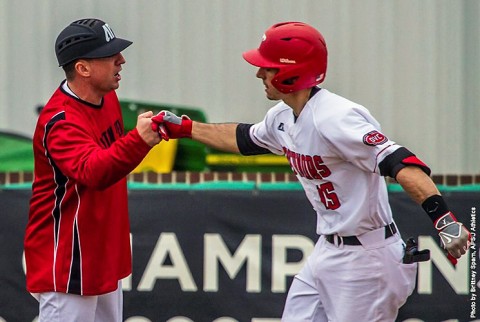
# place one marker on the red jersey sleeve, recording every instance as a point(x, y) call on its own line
point(81, 158)
point(88, 144)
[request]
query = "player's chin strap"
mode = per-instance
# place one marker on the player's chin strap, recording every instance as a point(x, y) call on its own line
point(454, 237)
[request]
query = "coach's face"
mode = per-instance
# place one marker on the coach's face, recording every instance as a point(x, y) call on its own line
point(266, 75)
point(103, 74)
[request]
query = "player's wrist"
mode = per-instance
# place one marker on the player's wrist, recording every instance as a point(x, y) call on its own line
point(436, 208)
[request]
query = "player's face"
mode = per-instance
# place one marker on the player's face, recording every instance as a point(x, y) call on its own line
point(105, 72)
point(266, 75)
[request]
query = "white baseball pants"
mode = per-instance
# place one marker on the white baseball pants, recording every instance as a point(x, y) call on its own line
point(343, 283)
point(61, 307)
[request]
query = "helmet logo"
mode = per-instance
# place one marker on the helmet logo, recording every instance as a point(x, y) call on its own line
point(264, 37)
point(287, 61)
point(109, 35)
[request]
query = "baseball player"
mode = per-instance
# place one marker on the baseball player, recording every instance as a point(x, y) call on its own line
point(339, 154)
point(77, 241)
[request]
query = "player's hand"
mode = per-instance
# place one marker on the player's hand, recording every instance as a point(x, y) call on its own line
point(455, 238)
point(174, 126)
point(161, 130)
point(144, 128)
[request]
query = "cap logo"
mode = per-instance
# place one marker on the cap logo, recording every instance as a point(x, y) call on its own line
point(287, 61)
point(109, 35)
point(374, 138)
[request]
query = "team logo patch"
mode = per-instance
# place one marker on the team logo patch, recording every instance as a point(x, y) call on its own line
point(374, 138)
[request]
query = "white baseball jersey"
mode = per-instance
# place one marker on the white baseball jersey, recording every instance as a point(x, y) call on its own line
point(334, 147)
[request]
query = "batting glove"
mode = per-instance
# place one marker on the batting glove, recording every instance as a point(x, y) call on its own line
point(174, 127)
point(160, 129)
point(455, 238)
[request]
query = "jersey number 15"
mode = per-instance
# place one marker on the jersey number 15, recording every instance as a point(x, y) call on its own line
point(328, 196)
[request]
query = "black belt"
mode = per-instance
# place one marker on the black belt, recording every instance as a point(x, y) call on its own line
point(390, 230)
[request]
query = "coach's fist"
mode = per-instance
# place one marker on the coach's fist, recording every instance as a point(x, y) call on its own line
point(144, 128)
point(174, 126)
point(454, 236)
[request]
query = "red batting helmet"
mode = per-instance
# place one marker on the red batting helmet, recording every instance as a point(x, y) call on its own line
point(299, 52)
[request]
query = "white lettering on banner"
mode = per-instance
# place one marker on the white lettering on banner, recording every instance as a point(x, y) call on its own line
point(167, 244)
point(457, 276)
point(248, 253)
point(179, 319)
point(280, 267)
point(225, 319)
point(216, 252)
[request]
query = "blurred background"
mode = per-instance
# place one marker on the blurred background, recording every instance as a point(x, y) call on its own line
point(414, 64)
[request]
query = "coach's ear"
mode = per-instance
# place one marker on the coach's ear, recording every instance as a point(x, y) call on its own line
point(83, 68)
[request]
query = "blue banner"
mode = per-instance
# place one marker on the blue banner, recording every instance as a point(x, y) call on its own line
point(228, 256)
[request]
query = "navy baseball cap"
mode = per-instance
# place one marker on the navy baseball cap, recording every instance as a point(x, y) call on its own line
point(87, 38)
